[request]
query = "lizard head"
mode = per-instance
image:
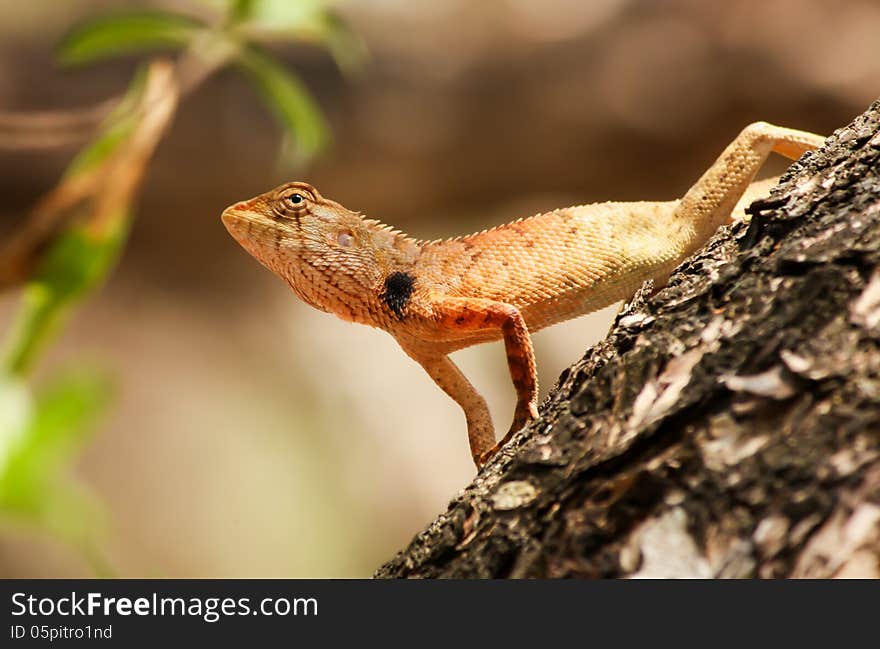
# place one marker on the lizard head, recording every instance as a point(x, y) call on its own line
point(286, 221)
point(315, 244)
point(293, 224)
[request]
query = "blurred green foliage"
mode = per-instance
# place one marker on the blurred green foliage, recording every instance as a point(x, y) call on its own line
point(43, 429)
point(291, 104)
point(246, 26)
point(126, 33)
point(41, 435)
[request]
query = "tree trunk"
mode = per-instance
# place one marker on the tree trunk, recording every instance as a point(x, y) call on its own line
point(729, 424)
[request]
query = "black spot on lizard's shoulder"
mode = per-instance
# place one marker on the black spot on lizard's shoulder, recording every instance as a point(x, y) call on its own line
point(397, 290)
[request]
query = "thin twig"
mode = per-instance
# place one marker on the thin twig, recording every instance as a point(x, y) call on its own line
point(52, 128)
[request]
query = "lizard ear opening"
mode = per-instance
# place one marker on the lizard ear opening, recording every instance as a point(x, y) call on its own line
point(345, 239)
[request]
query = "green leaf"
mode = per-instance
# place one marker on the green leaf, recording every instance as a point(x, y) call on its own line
point(240, 10)
point(288, 99)
point(347, 48)
point(74, 264)
point(16, 410)
point(107, 142)
point(35, 485)
point(78, 260)
point(126, 33)
point(114, 131)
point(305, 20)
point(63, 414)
point(61, 419)
point(279, 14)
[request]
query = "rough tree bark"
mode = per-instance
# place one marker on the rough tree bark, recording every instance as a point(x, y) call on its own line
point(729, 424)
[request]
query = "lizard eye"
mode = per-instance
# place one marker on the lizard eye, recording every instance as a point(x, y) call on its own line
point(292, 202)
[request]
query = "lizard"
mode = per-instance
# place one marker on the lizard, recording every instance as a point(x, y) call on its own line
point(504, 283)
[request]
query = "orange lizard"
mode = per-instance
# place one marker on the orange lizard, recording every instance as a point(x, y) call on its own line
point(435, 297)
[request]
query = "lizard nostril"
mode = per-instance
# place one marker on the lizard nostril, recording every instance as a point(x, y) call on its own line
point(237, 207)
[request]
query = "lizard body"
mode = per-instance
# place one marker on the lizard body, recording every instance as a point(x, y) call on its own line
point(435, 297)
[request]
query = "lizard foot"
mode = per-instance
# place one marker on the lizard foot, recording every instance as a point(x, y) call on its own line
point(524, 415)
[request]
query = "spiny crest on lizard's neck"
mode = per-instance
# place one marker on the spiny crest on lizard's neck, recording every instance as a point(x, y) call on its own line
point(390, 238)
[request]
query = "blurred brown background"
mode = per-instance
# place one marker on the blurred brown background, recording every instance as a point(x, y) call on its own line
point(253, 436)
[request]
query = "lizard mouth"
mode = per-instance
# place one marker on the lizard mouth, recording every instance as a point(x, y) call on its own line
point(253, 232)
point(245, 227)
point(232, 214)
point(239, 223)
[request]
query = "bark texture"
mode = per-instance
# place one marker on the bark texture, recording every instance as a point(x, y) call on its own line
point(729, 424)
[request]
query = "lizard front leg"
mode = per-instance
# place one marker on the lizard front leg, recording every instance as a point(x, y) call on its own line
point(481, 434)
point(462, 315)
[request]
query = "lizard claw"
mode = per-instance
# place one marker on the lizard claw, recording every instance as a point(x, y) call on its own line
point(484, 458)
point(522, 417)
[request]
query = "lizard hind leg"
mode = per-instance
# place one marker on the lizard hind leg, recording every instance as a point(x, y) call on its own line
point(710, 202)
